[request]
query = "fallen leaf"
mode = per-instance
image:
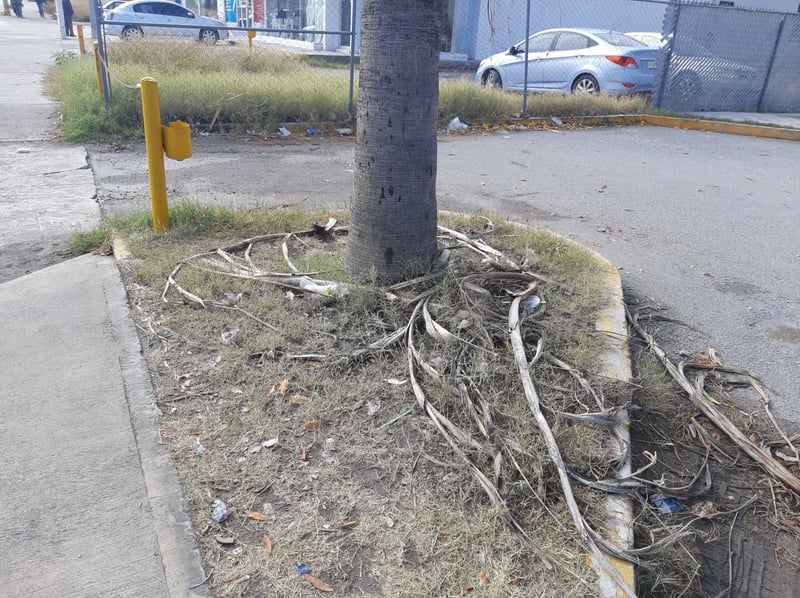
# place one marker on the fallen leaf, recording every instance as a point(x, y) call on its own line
point(313, 364)
point(318, 583)
point(484, 579)
point(466, 590)
point(515, 581)
point(301, 450)
point(234, 577)
point(299, 400)
point(256, 515)
point(349, 524)
point(283, 386)
point(266, 542)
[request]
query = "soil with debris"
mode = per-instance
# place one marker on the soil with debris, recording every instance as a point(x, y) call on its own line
point(320, 451)
point(743, 525)
point(320, 455)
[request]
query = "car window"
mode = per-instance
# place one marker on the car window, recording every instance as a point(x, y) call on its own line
point(620, 39)
point(145, 7)
point(539, 43)
point(173, 10)
point(573, 41)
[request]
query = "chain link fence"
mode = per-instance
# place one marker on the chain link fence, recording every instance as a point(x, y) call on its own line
point(728, 58)
point(277, 61)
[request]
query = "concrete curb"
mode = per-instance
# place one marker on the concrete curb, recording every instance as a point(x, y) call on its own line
point(617, 366)
point(715, 126)
point(692, 124)
point(180, 556)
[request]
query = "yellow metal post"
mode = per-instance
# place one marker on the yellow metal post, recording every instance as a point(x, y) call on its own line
point(154, 144)
point(81, 43)
point(97, 68)
point(250, 35)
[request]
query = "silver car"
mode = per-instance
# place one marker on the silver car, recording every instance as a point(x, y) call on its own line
point(159, 17)
point(574, 61)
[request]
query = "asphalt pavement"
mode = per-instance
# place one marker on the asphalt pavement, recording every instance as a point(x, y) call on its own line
point(91, 503)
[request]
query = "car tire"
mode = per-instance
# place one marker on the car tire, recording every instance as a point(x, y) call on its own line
point(209, 36)
point(585, 84)
point(129, 32)
point(492, 78)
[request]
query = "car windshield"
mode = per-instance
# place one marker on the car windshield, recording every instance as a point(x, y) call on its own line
point(620, 39)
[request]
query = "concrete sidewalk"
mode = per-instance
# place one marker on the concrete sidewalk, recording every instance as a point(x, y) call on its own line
point(91, 502)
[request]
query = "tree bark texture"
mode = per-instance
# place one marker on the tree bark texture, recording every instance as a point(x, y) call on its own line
point(393, 209)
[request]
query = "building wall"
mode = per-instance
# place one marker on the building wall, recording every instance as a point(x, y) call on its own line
point(484, 27)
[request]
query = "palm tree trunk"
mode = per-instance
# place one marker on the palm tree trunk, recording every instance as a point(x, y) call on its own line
point(393, 210)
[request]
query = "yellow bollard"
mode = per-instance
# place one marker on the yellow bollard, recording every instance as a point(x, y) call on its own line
point(154, 144)
point(81, 43)
point(97, 68)
point(250, 35)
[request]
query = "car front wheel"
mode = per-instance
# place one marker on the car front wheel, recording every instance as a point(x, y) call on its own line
point(131, 33)
point(585, 84)
point(209, 36)
point(492, 79)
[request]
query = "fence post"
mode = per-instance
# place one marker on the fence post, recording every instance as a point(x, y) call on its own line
point(527, 45)
point(759, 106)
point(664, 79)
point(350, 107)
point(154, 144)
point(81, 42)
point(95, 14)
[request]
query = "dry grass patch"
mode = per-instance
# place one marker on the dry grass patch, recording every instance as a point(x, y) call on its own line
point(388, 465)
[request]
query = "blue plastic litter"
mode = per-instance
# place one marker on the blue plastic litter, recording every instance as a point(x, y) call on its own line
point(532, 302)
point(666, 504)
point(303, 569)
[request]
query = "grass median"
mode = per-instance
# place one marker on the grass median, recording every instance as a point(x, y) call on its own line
point(229, 88)
point(388, 463)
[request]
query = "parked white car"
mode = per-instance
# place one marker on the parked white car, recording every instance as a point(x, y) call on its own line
point(161, 18)
point(573, 61)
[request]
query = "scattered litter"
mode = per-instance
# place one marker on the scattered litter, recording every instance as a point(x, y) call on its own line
point(666, 504)
point(270, 443)
point(532, 302)
point(225, 540)
point(373, 407)
point(455, 125)
point(23, 150)
point(268, 509)
point(229, 335)
point(344, 132)
point(556, 120)
point(314, 133)
point(303, 569)
point(219, 511)
point(199, 447)
point(284, 132)
point(395, 381)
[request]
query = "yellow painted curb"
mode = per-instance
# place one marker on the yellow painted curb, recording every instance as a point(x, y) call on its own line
point(714, 126)
point(120, 249)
